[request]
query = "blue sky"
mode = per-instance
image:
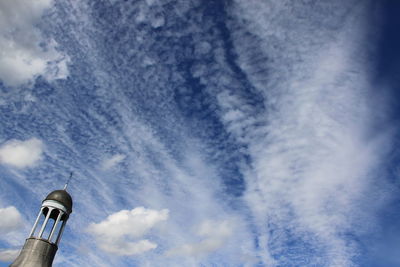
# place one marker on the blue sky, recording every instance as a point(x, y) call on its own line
point(203, 133)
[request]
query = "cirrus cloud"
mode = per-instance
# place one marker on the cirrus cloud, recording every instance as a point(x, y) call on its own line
point(8, 255)
point(112, 161)
point(214, 235)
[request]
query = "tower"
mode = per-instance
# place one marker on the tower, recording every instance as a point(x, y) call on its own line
point(42, 244)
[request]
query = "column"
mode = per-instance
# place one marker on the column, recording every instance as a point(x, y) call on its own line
point(53, 229)
point(36, 222)
point(45, 222)
point(61, 231)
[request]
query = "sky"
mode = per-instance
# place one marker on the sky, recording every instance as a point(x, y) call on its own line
point(203, 133)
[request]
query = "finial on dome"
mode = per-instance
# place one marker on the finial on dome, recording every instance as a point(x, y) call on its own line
point(69, 179)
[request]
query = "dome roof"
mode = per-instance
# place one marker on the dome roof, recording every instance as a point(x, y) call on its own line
point(61, 196)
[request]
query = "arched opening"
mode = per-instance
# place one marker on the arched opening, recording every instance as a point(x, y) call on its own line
point(49, 224)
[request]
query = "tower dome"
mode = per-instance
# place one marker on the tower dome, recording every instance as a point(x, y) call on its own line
point(62, 197)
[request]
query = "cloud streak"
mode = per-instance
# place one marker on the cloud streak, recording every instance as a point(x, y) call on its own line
point(312, 162)
point(214, 234)
point(112, 161)
point(8, 255)
point(250, 121)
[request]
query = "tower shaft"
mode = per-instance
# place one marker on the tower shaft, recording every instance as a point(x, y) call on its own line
point(36, 253)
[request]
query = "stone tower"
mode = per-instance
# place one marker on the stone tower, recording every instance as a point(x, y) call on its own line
point(42, 244)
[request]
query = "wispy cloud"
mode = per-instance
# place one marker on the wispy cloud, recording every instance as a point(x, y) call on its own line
point(311, 160)
point(251, 126)
point(214, 235)
point(112, 161)
point(21, 154)
point(26, 52)
point(8, 255)
point(116, 232)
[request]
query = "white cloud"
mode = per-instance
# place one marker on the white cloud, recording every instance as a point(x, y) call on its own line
point(8, 255)
point(113, 161)
point(215, 235)
point(291, 183)
point(21, 154)
point(25, 52)
point(10, 220)
point(311, 161)
point(119, 232)
point(126, 248)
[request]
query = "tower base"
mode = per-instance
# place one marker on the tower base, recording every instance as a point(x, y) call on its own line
point(36, 253)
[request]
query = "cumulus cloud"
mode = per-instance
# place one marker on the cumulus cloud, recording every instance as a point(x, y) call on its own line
point(25, 52)
point(113, 161)
point(8, 255)
point(10, 220)
point(119, 232)
point(21, 154)
point(214, 233)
